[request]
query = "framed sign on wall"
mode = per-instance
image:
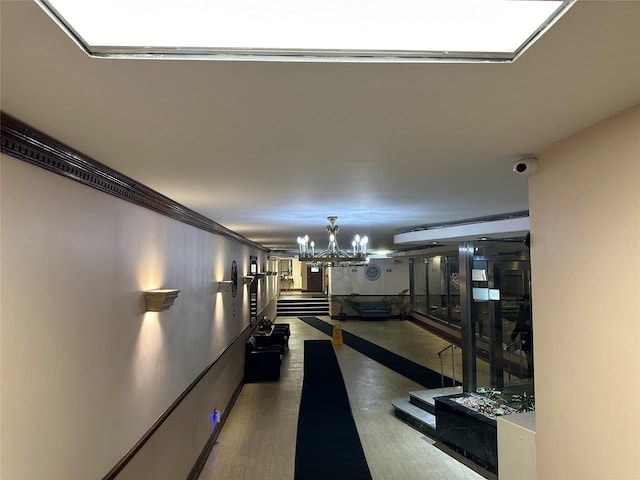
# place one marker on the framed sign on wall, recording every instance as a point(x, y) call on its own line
point(372, 272)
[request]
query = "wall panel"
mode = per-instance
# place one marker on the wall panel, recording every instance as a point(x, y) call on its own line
point(85, 372)
point(585, 259)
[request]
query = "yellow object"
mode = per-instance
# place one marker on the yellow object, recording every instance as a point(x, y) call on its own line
point(336, 339)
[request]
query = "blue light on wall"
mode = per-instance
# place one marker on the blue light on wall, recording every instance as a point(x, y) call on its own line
point(215, 419)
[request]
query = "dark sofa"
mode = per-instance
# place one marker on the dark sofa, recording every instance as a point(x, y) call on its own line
point(377, 309)
point(261, 362)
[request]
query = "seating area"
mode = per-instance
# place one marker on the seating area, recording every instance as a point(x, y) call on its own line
point(264, 351)
point(379, 309)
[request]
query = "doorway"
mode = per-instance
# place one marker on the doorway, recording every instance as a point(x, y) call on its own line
point(315, 279)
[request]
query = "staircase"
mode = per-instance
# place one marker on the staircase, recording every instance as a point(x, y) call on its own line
point(302, 306)
point(418, 410)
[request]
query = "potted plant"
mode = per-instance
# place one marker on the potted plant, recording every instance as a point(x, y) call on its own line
point(348, 300)
point(402, 302)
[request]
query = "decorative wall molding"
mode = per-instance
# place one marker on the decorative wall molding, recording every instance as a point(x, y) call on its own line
point(122, 463)
point(26, 143)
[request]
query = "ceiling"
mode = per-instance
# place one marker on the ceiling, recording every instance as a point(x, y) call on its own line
point(269, 150)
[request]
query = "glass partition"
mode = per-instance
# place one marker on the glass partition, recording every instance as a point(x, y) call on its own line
point(419, 285)
point(503, 321)
point(437, 287)
point(500, 276)
point(435, 284)
point(453, 300)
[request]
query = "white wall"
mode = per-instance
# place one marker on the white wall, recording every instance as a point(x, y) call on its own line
point(394, 277)
point(85, 372)
point(585, 252)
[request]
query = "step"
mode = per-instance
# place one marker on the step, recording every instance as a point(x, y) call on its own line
point(418, 409)
point(303, 299)
point(302, 306)
point(311, 301)
point(418, 418)
point(302, 314)
point(424, 399)
point(303, 296)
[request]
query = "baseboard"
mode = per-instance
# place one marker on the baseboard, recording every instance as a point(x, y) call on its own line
point(206, 450)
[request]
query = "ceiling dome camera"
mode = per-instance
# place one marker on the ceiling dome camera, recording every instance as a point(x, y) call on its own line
point(526, 166)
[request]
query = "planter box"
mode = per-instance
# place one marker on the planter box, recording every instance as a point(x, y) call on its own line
point(517, 446)
point(466, 431)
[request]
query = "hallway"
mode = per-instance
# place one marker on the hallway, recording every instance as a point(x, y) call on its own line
point(258, 438)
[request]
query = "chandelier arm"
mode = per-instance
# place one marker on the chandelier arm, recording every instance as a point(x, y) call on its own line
point(334, 256)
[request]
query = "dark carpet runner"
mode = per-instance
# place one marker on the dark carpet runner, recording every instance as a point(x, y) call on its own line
point(412, 370)
point(327, 445)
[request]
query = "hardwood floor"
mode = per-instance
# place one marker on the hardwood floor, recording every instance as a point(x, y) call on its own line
point(258, 438)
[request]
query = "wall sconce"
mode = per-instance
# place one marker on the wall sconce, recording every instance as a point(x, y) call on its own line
point(160, 300)
point(224, 286)
point(248, 280)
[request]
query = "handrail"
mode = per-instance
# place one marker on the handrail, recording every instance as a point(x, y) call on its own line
point(453, 366)
point(446, 348)
point(518, 344)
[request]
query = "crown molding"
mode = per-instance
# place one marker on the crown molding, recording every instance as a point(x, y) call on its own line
point(23, 142)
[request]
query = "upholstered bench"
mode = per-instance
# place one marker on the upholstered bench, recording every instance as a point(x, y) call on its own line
point(377, 309)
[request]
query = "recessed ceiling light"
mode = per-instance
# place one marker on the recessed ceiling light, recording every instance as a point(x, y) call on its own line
point(349, 30)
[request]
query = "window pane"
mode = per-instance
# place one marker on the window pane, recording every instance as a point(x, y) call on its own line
point(420, 286)
point(454, 291)
point(437, 278)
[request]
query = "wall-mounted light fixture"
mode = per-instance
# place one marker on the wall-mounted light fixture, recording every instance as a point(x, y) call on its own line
point(224, 286)
point(248, 280)
point(160, 300)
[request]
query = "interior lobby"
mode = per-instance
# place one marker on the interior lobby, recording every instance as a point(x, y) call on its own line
point(97, 384)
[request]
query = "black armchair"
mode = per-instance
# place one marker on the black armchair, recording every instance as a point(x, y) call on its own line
point(286, 327)
point(274, 339)
point(283, 332)
point(261, 363)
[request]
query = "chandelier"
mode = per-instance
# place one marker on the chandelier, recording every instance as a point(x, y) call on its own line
point(333, 256)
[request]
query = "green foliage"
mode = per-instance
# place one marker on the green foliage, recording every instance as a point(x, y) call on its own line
point(347, 300)
point(401, 301)
point(351, 302)
point(491, 394)
point(521, 403)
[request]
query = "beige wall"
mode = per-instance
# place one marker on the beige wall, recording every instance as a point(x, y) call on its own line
point(85, 372)
point(585, 251)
